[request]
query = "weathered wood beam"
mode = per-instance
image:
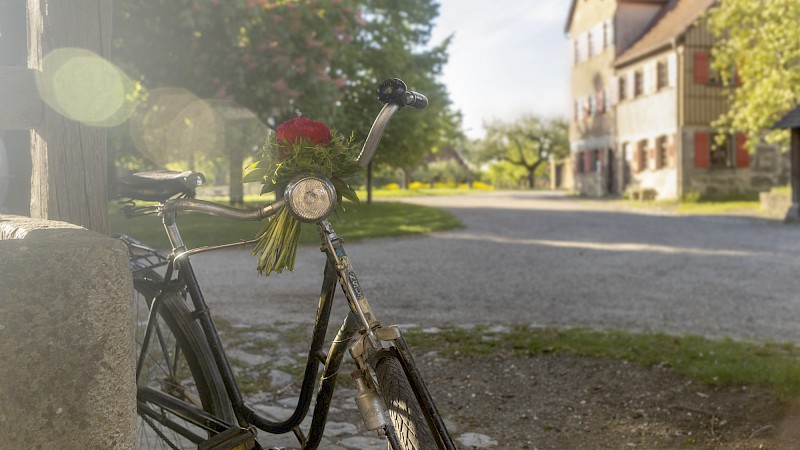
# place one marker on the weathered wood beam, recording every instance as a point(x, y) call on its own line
point(69, 174)
point(21, 108)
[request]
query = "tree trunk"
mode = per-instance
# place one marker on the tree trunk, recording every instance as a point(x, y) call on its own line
point(235, 187)
point(68, 180)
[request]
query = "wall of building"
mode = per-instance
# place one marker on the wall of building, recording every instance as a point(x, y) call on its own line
point(767, 167)
point(642, 121)
point(592, 117)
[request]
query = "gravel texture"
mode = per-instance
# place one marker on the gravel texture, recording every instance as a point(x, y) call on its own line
point(551, 260)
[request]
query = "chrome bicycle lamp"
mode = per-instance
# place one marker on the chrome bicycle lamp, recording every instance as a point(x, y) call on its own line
point(309, 198)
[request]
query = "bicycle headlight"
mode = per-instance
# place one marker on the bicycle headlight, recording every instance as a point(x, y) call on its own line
point(310, 199)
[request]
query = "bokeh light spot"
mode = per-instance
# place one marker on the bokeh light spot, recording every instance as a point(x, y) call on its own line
point(83, 86)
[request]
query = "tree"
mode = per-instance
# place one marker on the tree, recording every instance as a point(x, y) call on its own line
point(278, 58)
point(527, 143)
point(757, 52)
point(394, 42)
point(274, 58)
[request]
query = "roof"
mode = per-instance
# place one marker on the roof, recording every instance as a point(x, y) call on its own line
point(669, 24)
point(574, 3)
point(790, 120)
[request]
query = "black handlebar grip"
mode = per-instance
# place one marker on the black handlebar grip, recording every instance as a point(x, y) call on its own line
point(394, 90)
point(416, 100)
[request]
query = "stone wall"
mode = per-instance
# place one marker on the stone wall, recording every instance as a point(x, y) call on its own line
point(66, 338)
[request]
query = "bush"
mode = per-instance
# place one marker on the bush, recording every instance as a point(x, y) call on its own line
point(392, 187)
point(482, 186)
point(417, 185)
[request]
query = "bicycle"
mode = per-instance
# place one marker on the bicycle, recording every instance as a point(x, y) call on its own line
point(187, 395)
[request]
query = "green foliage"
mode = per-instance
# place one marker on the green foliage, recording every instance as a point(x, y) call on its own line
point(278, 58)
point(759, 41)
point(395, 42)
point(277, 165)
point(527, 143)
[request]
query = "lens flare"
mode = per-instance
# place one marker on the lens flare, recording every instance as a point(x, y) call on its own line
point(177, 127)
point(82, 86)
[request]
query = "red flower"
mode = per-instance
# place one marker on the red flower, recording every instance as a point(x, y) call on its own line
point(300, 128)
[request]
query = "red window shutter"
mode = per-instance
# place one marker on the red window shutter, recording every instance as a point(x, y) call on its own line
point(637, 160)
point(700, 67)
point(742, 155)
point(587, 161)
point(576, 162)
point(702, 149)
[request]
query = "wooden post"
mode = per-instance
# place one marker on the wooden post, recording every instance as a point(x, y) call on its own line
point(793, 214)
point(68, 180)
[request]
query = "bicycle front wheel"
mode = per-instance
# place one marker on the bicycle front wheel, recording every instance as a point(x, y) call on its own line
point(177, 378)
point(412, 429)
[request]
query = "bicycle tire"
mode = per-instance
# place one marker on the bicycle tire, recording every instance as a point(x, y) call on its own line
point(179, 364)
point(412, 429)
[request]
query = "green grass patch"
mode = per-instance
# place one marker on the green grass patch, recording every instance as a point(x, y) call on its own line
point(421, 192)
point(723, 363)
point(719, 207)
point(701, 207)
point(358, 221)
point(781, 190)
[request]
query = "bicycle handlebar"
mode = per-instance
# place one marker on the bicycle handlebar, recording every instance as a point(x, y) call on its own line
point(395, 94)
point(215, 209)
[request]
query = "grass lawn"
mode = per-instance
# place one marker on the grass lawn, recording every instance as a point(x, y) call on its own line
point(750, 207)
point(358, 221)
point(725, 363)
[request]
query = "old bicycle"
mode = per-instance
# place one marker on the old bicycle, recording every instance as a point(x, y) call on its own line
point(187, 395)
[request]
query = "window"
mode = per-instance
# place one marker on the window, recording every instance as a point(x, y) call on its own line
point(720, 151)
point(720, 155)
point(662, 75)
point(590, 42)
point(662, 152)
point(640, 156)
point(576, 52)
point(623, 88)
point(587, 161)
point(606, 34)
point(592, 105)
point(703, 72)
point(638, 87)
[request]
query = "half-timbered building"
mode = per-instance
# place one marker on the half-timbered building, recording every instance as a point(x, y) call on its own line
point(644, 96)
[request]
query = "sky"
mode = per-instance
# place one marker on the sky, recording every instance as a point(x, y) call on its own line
point(508, 58)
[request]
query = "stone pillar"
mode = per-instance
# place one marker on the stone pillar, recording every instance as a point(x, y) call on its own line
point(66, 338)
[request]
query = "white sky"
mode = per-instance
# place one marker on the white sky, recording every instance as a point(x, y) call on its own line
point(507, 58)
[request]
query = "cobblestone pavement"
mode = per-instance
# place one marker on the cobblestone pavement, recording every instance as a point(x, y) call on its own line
point(273, 372)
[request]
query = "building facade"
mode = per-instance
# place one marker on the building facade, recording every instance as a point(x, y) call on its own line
point(644, 97)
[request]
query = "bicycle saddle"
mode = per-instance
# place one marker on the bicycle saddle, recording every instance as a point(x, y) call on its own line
point(159, 185)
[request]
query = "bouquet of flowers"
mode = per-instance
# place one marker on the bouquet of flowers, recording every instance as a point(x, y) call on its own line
point(298, 147)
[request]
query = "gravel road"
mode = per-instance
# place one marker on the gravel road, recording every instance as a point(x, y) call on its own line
point(547, 259)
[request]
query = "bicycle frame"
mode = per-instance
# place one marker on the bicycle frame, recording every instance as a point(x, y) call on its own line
point(360, 320)
point(361, 332)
